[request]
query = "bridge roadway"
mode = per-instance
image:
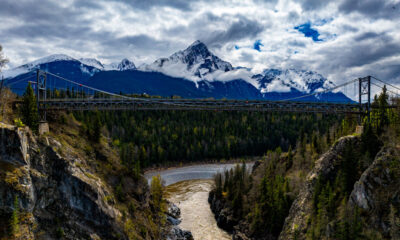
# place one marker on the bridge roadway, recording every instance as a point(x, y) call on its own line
point(197, 104)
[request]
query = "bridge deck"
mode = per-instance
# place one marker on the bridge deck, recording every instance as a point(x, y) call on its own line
point(196, 104)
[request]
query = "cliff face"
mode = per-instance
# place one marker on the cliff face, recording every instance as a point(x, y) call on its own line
point(55, 197)
point(327, 165)
point(376, 195)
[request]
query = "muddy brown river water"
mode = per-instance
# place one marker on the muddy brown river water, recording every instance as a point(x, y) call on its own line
point(191, 196)
point(188, 188)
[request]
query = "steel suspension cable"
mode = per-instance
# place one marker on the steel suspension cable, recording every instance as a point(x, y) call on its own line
point(315, 93)
point(386, 83)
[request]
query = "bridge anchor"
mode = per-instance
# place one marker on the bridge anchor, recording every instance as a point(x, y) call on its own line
point(43, 127)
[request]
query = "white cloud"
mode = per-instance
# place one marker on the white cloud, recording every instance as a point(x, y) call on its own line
point(112, 30)
point(276, 86)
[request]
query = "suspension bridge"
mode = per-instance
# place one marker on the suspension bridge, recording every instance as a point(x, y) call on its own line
point(80, 97)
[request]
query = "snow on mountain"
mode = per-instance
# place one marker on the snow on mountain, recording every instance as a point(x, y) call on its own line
point(87, 65)
point(111, 67)
point(194, 63)
point(197, 63)
point(32, 65)
point(277, 80)
point(125, 64)
point(92, 62)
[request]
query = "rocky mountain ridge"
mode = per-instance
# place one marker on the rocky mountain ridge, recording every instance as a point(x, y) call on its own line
point(195, 64)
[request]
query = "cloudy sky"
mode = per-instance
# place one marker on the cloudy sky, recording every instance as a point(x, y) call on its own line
point(341, 39)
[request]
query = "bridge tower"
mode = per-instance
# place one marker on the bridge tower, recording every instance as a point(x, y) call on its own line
point(364, 88)
point(41, 78)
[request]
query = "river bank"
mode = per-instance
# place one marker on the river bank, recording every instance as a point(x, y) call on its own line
point(199, 171)
point(192, 198)
point(174, 165)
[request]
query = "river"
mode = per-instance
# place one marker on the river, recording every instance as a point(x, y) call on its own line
point(188, 188)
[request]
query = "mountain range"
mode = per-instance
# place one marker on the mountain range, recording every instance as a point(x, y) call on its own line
point(191, 73)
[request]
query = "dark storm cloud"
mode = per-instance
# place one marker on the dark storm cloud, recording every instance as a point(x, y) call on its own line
point(367, 35)
point(389, 71)
point(136, 42)
point(48, 31)
point(148, 4)
point(310, 5)
point(372, 8)
point(370, 49)
point(239, 29)
point(145, 30)
point(44, 20)
point(29, 11)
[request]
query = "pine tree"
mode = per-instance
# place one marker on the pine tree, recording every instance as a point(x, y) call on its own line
point(14, 220)
point(383, 115)
point(29, 109)
point(156, 190)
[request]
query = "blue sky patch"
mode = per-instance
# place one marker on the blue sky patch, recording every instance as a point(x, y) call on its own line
point(257, 44)
point(308, 31)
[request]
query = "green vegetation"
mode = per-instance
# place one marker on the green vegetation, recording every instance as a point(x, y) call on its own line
point(159, 204)
point(272, 203)
point(14, 219)
point(331, 195)
point(18, 123)
point(29, 109)
point(148, 138)
point(330, 199)
point(60, 233)
point(264, 198)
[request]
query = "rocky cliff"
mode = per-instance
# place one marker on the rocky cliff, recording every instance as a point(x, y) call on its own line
point(348, 194)
point(54, 196)
point(298, 221)
point(375, 196)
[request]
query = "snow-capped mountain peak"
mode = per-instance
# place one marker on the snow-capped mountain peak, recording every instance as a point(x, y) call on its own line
point(34, 64)
point(126, 64)
point(278, 80)
point(51, 58)
point(92, 62)
point(193, 63)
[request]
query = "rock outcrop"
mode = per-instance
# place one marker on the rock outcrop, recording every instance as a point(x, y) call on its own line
point(55, 198)
point(174, 232)
point(223, 216)
point(300, 212)
point(377, 194)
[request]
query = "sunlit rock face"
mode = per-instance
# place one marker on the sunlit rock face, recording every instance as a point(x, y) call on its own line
point(49, 187)
point(377, 194)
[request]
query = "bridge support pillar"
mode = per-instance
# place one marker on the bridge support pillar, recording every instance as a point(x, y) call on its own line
point(359, 129)
point(41, 79)
point(364, 88)
point(43, 127)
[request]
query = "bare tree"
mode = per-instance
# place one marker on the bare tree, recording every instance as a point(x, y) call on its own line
point(3, 60)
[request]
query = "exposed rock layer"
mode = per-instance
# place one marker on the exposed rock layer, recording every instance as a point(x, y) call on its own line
point(58, 197)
